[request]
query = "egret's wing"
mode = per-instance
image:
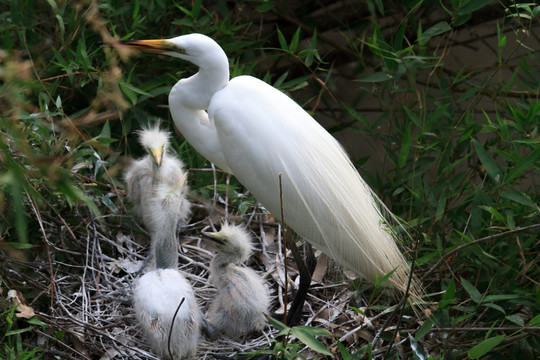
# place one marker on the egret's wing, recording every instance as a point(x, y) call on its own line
point(263, 133)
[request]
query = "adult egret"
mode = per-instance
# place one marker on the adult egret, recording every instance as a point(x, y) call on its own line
point(256, 132)
point(158, 293)
point(242, 297)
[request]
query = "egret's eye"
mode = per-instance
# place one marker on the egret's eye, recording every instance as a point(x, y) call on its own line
point(178, 49)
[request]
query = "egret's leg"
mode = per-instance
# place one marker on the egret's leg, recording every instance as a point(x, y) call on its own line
point(306, 270)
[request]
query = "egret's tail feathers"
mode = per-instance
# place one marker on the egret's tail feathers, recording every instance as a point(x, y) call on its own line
point(342, 216)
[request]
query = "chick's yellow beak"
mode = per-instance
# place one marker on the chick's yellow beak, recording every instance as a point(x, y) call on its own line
point(183, 179)
point(213, 236)
point(157, 153)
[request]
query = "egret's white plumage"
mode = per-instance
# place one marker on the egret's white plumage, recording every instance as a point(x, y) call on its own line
point(242, 297)
point(157, 295)
point(256, 132)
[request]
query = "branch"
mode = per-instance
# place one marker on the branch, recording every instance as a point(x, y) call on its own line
point(490, 237)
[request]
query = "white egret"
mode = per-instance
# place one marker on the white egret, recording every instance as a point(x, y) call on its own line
point(242, 297)
point(256, 132)
point(158, 293)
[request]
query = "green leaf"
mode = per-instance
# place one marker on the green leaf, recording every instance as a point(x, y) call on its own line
point(437, 29)
point(519, 198)
point(345, 354)
point(356, 115)
point(448, 297)
point(106, 130)
point(413, 116)
point(35, 321)
point(535, 320)
point(418, 352)
point(440, 207)
point(491, 298)
point(18, 331)
point(277, 324)
point(196, 8)
point(282, 41)
point(497, 215)
point(305, 335)
point(516, 319)
point(109, 204)
point(315, 331)
point(471, 290)
point(424, 329)
point(495, 306)
point(485, 346)
point(493, 170)
point(18, 245)
point(379, 76)
point(523, 165)
point(405, 148)
point(294, 41)
point(473, 5)
point(382, 280)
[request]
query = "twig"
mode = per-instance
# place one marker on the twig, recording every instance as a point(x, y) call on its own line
point(283, 235)
point(509, 328)
point(51, 274)
point(227, 181)
point(172, 326)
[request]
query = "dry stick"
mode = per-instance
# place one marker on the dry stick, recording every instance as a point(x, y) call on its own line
point(216, 198)
point(480, 328)
point(490, 237)
point(283, 234)
point(53, 283)
point(172, 326)
point(227, 181)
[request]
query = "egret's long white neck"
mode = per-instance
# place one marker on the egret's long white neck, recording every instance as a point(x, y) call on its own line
point(195, 92)
point(188, 101)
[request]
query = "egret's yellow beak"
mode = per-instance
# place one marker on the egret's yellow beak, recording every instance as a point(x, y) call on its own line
point(157, 153)
point(158, 46)
point(213, 236)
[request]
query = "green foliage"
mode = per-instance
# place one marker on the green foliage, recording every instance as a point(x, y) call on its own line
point(454, 139)
point(306, 335)
point(11, 332)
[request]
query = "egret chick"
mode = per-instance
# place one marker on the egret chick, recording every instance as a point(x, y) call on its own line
point(157, 167)
point(242, 296)
point(158, 293)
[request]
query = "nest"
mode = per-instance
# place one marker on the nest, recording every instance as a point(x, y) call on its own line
point(82, 286)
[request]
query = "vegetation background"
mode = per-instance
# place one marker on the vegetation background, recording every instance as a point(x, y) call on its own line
point(436, 101)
